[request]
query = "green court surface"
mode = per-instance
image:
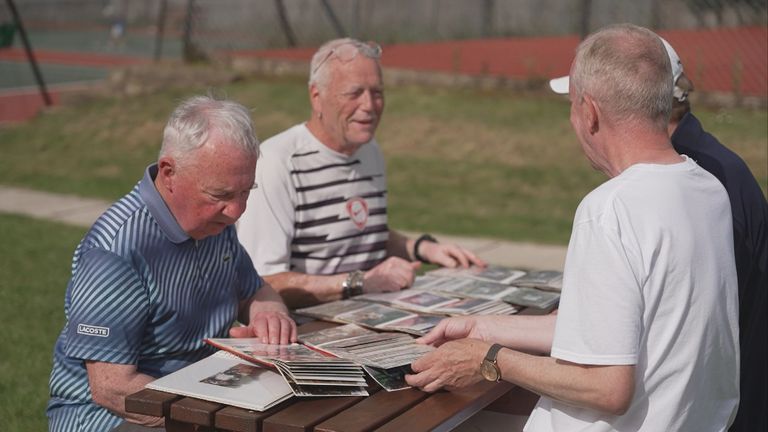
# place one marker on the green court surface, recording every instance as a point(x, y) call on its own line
point(99, 42)
point(16, 72)
point(19, 74)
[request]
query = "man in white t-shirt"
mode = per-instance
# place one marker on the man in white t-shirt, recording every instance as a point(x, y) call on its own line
point(316, 227)
point(646, 338)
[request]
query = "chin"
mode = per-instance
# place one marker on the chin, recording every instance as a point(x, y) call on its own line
point(363, 138)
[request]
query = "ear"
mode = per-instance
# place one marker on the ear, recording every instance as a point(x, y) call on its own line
point(314, 98)
point(592, 114)
point(166, 170)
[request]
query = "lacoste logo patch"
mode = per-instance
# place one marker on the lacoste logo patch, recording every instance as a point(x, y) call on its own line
point(227, 258)
point(89, 330)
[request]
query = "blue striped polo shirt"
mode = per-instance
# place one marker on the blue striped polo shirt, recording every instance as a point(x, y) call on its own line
point(142, 292)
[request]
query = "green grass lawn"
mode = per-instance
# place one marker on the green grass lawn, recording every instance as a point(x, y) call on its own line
point(35, 261)
point(459, 162)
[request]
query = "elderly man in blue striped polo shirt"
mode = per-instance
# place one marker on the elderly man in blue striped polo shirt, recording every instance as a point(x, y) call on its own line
point(161, 270)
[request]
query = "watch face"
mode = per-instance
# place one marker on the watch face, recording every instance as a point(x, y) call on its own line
point(489, 371)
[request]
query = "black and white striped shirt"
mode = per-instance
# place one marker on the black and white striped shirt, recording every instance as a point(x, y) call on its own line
point(316, 211)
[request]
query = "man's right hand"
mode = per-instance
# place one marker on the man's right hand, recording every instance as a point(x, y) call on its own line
point(456, 328)
point(393, 274)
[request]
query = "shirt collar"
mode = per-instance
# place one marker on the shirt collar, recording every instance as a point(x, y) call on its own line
point(158, 209)
point(687, 132)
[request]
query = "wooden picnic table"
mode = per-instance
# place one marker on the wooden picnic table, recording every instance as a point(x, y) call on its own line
point(399, 411)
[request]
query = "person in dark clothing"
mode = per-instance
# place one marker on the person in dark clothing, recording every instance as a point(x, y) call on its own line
point(750, 222)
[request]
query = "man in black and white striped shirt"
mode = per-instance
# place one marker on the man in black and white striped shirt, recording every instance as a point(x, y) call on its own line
point(316, 227)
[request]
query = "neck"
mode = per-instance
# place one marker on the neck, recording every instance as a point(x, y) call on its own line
point(634, 145)
point(315, 127)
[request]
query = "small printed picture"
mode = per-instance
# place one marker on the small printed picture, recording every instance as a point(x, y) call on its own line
point(424, 299)
point(236, 376)
point(374, 315)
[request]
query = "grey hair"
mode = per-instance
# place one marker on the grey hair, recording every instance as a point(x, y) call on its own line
point(318, 68)
point(626, 69)
point(196, 118)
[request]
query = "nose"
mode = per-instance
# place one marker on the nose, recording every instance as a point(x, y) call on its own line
point(366, 101)
point(233, 209)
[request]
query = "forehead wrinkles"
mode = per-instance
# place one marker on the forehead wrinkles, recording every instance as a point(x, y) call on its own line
point(360, 72)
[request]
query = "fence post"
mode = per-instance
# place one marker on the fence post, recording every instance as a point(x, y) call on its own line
point(191, 52)
point(487, 24)
point(159, 29)
point(283, 17)
point(586, 11)
point(30, 54)
point(334, 20)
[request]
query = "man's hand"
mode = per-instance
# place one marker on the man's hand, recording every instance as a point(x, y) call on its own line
point(454, 365)
point(456, 328)
point(393, 274)
point(272, 327)
point(448, 255)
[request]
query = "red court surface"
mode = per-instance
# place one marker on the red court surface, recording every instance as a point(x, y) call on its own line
point(730, 60)
point(70, 58)
point(716, 60)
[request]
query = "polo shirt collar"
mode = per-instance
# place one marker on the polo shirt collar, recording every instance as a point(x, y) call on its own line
point(158, 209)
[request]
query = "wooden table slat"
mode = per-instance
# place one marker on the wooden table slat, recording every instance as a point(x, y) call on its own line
point(517, 401)
point(304, 414)
point(150, 402)
point(373, 411)
point(242, 420)
point(195, 411)
point(444, 411)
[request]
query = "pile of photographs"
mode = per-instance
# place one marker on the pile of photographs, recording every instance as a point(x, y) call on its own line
point(385, 356)
point(547, 280)
point(372, 315)
point(421, 299)
point(491, 290)
point(308, 372)
point(534, 289)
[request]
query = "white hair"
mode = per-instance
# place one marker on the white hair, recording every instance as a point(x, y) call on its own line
point(319, 70)
point(196, 118)
point(626, 69)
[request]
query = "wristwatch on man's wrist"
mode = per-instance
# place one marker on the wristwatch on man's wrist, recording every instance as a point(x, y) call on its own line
point(417, 243)
point(353, 284)
point(489, 368)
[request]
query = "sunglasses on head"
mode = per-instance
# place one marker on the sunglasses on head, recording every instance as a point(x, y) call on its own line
point(346, 52)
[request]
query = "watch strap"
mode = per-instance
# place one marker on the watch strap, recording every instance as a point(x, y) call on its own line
point(493, 352)
point(422, 238)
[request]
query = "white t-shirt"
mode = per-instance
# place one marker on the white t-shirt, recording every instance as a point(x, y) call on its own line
point(650, 281)
point(315, 211)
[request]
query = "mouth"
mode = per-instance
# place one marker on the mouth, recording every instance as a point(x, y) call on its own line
point(367, 122)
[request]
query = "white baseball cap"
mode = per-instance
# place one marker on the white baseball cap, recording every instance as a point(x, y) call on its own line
point(560, 85)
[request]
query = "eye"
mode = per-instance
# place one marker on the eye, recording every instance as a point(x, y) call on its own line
point(353, 94)
point(220, 196)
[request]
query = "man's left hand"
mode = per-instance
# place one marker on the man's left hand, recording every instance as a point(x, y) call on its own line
point(272, 327)
point(455, 364)
point(448, 255)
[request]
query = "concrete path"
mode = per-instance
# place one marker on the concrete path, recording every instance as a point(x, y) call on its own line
point(78, 211)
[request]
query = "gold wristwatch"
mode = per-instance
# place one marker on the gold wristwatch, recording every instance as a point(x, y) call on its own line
point(489, 368)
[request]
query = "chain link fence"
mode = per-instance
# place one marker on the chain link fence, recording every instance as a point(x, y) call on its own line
point(723, 43)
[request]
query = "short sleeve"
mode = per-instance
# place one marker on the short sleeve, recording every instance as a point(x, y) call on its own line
point(601, 308)
point(266, 227)
point(108, 309)
point(248, 279)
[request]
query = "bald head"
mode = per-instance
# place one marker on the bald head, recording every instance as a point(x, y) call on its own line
point(625, 69)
